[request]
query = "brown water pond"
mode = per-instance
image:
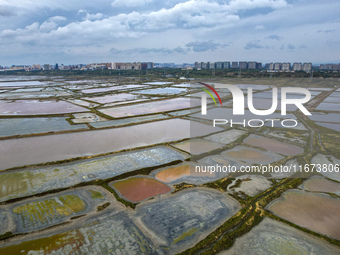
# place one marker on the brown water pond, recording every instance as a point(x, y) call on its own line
point(317, 212)
point(322, 185)
point(273, 145)
point(137, 189)
point(34, 150)
point(249, 155)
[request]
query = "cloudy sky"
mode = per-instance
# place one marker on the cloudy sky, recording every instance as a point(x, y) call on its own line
point(83, 31)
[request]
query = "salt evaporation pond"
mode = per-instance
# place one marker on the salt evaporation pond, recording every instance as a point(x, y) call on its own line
point(112, 98)
point(183, 173)
point(273, 145)
point(173, 174)
point(251, 155)
point(161, 91)
point(137, 189)
point(322, 185)
point(272, 237)
point(197, 146)
point(35, 107)
point(114, 88)
point(35, 150)
point(317, 212)
point(151, 107)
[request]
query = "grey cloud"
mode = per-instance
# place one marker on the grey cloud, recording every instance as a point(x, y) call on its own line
point(6, 12)
point(129, 3)
point(146, 51)
point(326, 31)
point(291, 46)
point(205, 46)
point(274, 37)
point(253, 45)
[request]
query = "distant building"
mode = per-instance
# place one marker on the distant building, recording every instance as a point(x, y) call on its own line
point(211, 65)
point(330, 67)
point(17, 68)
point(234, 64)
point(218, 65)
point(243, 65)
point(277, 66)
point(251, 65)
point(258, 65)
point(297, 66)
point(198, 65)
point(129, 66)
point(269, 66)
point(150, 65)
point(226, 65)
point(203, 65)
point(36, 67)
point(307, 67)
point(46, 67)
point(285, 67)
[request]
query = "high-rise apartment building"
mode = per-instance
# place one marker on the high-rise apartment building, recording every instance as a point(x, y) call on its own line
point(307, 67)
point(243, 65)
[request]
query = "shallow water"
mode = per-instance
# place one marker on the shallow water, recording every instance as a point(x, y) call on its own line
point(330, 117)
point(322, 185)
point(158, 83)
point(137, 189)
point(151, 107)
point(279, 239)
point(22, 83)
point(197, 146)
point(114, 88)
point(328, 107)
point(34, 150)
point(161, 91)
point(333, 126)
point(24, 126)
point(273, 145)
point(112, 98)
point(35, 107)
point(173, 174)
point(317, 212)
point(250, 155)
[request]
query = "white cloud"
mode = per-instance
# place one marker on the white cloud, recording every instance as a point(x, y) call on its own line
point(89, 16)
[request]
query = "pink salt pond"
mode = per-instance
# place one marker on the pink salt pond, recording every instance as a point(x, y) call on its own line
point(137, 189)
point(273, 145)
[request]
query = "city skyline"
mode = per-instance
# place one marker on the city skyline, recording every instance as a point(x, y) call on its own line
point(180, 31)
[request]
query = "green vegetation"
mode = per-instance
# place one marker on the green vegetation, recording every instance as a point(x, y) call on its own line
point(221, 184)
point(96, 194)
point(185, 234)
point(237, 184)
point(6, 236)
point(102, 207)
point(178, 72)
point(50, 208)
point(47, 244)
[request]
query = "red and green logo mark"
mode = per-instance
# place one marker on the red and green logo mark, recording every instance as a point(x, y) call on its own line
point(209, 93)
